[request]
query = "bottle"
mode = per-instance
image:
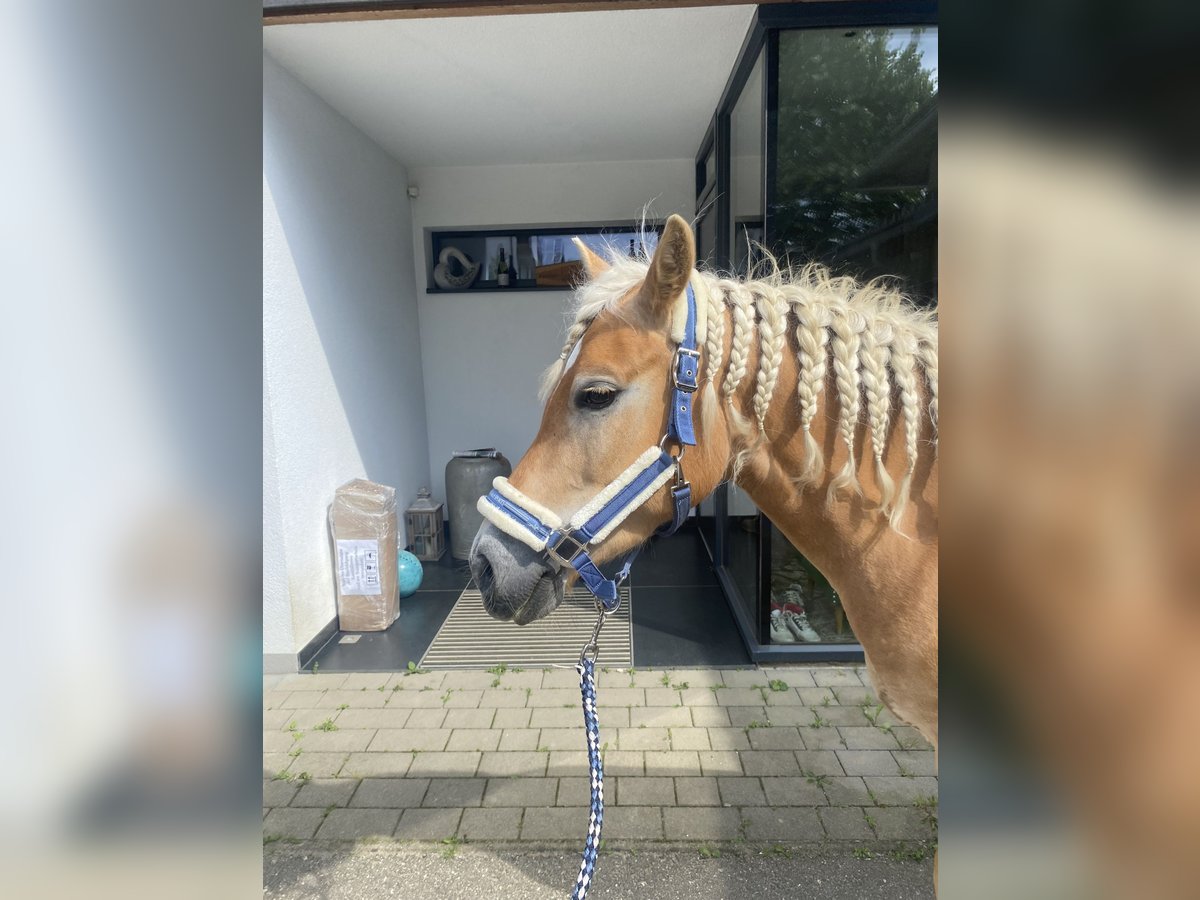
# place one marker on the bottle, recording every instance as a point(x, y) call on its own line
point(502, 270)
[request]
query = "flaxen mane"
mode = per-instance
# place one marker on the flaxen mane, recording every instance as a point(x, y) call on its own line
point(880, 350)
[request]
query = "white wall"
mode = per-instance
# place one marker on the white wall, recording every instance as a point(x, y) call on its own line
point(341, 348)
point(483, 353)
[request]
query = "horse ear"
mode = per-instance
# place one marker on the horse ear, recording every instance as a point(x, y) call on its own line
point(593, 263)
point(670, 269)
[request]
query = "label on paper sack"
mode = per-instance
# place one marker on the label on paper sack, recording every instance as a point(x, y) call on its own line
point(358, 568)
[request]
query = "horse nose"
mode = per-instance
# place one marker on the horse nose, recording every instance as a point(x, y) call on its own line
point(483, 573)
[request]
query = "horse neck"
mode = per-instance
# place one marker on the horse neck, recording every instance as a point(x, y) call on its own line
point(847, 537)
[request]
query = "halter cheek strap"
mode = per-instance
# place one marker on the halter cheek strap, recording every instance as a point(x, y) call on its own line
point(525, 519)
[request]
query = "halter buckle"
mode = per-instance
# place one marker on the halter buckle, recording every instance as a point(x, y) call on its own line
point(565, 561)
point(690, 376)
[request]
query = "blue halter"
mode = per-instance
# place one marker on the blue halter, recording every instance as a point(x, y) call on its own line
point(566, 544)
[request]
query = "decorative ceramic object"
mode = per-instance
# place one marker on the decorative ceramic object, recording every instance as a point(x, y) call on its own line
point(410, 572)
point(445, 278)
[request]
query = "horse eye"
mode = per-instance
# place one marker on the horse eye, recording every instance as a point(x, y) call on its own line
point(595, 397)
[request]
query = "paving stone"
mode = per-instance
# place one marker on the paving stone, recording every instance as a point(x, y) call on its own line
point(868, 762)
point(921, 762)
point(738, 696)
point(490, 824)
point(390, 793)
point(815, 696)
point(781, 737)
point(468, 718)
point(473, 739)
point(528, 678)
point(519, 739)
point(823, 739)
point(554, 698)
point(741, 716)
point(819, 762)
point(647, 678)
point(910, 739)
point(902, 823)
point(303, 681)
point(567, 678)
point(618, 697)
point(369, 680)
point(690, 739)
point(769, 762)
point(702, 697)
point(612, 717)
point(430, 719)
point(702, 824)
point(566, 762)
point(743, 678)
point(867, 738)
point(898, 791)
point(468, 680)
point(794, 677)
point(845, 823)
point(576, 791)
point(560, 823)
point(430, 699)
point(274, 763)
point(414, 681)
point(351, 824)
point(741, 791)
point(292, 823)
point(849, 716)
point(643, 739)
point(799, 716)
point(634, 791)
point(503, 698)
point(728, 739)
point(792, 790)
point(373, 718)
point(428, 824)
point(833, 677)
point(846, 791)
point(521, 791)
point(663, 696)
point(696, 678)
point(623, 762)
point(323, 792)
point(499, 765)
point(660, 717)
point(787, 697)
point(672, 762)
point(855, 696)
point(299, 700)
point(782, 824)
point(556, 718)
point(364, 765)
point(274, 700)
point(633, 823)
point(354, 699)
point(276, 719)
point(512, 718)
point(278, 741)
point(454, 792)
point(561, 739)
point(332, 741)
point(697, 791)
point(423, 739)
point(720, 762)
point(457, 764)
point(319, 765)
point(463, 699)
point(277, 792)
point(709, 717)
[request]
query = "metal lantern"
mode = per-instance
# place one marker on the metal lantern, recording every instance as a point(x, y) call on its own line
point(425, 531)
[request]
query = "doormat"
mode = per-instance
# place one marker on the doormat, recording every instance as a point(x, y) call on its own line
point(470, 638)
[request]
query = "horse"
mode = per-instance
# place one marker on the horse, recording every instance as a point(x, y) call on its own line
point(817, 395)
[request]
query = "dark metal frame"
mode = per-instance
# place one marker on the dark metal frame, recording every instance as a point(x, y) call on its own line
point(764, 31)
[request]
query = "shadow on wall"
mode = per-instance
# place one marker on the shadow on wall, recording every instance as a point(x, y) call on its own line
point(342, 204)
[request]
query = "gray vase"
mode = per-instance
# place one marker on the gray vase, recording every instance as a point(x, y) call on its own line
point(469, 476)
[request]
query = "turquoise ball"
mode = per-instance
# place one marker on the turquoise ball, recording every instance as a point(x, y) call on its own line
point(410, 571)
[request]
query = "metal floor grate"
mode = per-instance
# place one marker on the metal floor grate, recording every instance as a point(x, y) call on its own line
point(471, 638)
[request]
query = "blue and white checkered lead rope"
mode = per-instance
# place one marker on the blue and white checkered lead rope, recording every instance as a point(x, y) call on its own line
point(587, 687)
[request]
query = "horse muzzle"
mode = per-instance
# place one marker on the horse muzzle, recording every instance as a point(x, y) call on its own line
point(515, 581)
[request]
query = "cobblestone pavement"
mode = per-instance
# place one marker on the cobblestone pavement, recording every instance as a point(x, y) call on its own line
point(791, 756)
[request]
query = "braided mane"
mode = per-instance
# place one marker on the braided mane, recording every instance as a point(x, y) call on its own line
point(878, 346)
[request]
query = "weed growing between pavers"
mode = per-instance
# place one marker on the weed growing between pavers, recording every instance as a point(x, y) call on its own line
point(451, 845)
point(327, 725)
point(777, 685)
point(707, 852)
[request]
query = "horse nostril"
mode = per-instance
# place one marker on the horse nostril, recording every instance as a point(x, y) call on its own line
point(485, 578)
